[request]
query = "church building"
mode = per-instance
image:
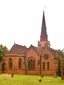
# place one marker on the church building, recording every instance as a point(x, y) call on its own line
point(34, 60)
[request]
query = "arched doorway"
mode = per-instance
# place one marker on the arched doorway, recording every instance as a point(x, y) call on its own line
point(3, 67)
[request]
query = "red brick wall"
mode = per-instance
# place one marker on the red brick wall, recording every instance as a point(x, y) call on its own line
point(14, 65)
point(32, 53)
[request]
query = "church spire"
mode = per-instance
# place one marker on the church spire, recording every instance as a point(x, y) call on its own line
point(43, 35)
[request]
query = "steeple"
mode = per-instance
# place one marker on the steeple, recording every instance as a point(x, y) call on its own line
point(43, 35)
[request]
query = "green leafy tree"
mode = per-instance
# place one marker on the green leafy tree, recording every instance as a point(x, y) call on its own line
point(3, 51)
point(62, 51)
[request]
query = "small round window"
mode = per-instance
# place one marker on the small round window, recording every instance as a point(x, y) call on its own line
point(46, 57)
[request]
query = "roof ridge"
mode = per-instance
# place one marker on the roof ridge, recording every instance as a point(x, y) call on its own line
point(20, 45)
point(16, 48)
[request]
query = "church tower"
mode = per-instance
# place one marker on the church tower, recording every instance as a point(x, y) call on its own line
point(43, 37)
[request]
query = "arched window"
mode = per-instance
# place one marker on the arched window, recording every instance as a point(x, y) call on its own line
point(47, 65)
point(20, 63)
point(10, 62)
point(39, 62)
point(43, 65)
point(31, 64)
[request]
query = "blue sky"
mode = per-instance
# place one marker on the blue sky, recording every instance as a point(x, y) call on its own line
point(20, 21)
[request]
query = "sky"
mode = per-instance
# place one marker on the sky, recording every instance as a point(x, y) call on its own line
point(21, 20)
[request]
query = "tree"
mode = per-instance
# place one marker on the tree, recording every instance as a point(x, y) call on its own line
point(62, 51)
point(3, 51)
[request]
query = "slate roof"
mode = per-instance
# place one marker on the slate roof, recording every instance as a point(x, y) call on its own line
point(17, 49)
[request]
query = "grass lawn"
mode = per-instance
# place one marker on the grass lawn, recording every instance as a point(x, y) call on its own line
point(30, 80)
